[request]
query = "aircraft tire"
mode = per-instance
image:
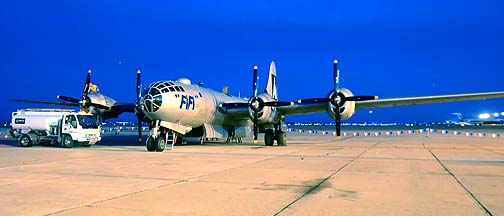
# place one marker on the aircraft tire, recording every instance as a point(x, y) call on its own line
point(269, 137)
point(25, 141)
point(149, 143)
point(159, 144)
point(67, 141)
point(281, 141)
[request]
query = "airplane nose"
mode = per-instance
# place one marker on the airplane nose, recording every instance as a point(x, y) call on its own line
point(152, 100)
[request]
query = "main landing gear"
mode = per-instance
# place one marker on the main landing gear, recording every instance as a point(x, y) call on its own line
point(270, 135)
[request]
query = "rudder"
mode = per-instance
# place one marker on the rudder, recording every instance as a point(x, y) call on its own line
point(271, 85)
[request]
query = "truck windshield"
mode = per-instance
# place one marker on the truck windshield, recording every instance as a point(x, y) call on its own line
point(87, 121)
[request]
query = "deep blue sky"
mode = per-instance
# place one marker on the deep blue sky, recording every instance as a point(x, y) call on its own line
point(385, 48)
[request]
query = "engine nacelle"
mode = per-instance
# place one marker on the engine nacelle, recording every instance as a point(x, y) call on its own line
point(266, 114)
point(347, 108)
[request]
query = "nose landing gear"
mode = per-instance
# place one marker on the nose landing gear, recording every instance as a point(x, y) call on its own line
point(160, 137)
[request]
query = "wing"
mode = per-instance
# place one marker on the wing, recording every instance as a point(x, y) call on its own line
point(117, 110)
point(390, 102)
point(127, 107)
point(46, 102)
point(408, 101)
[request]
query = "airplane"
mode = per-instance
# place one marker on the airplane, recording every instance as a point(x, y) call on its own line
point(92, 101)
point(486, 121)
point(178, 108)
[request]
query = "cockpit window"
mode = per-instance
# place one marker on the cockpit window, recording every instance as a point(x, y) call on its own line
point(145, 91)
point(171, 88)
point(153, 91)
point(152, 98)
point(158, 100)
point(177, 88)
point(182, 89)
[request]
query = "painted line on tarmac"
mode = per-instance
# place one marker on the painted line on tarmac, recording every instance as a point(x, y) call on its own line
point(486, 149)
point(325, 179)
point(480, 204)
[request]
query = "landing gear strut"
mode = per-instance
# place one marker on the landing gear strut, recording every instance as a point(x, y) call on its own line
point(270, 135)
point(159, 137)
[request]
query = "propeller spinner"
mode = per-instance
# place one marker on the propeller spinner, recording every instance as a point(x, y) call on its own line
point(256, 104)
point(85, 102)
point(337, 99)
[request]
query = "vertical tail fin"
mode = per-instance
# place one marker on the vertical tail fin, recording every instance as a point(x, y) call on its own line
point(459, 115)
point(271, 85)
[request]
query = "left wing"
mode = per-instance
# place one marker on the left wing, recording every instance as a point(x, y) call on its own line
point(314, 107)
point(408, 101)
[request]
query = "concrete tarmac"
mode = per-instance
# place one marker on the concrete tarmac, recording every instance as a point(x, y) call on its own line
point(313, 175)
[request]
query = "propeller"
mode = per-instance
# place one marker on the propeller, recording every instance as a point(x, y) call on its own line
point(85, 101)
point(256, 104)
point(138, 108)
point(337, 99)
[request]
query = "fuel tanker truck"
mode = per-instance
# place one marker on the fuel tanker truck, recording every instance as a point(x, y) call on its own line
point(54, 126)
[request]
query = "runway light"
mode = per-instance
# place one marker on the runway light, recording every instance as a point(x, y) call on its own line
point(484, 116)
point(502, 113)
point(496, 114)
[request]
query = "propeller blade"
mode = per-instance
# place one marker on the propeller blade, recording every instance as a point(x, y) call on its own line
point(278, 103)
point(86, 85)
point(256, 131)
point(254, 82)
point(69, 99)
point(361, 98)
point(139, 125)
point(228, 105)
point(338, 122)
point(314, 100)
point(138, 85)
point(139, 112)
point(336, 75)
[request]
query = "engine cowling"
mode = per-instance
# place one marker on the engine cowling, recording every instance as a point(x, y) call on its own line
point(266, 114)
point(347, 108)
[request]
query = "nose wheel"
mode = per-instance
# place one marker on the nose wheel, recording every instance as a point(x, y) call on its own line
point(155, 144)
point(149, 143)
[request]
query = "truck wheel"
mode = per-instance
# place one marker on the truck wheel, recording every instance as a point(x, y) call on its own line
point(159, 144)
point(67, 141)
point(149, 143)
point(25, 141)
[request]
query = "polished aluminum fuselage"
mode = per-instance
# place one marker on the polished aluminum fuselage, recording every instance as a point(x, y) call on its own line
point(193, 107)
